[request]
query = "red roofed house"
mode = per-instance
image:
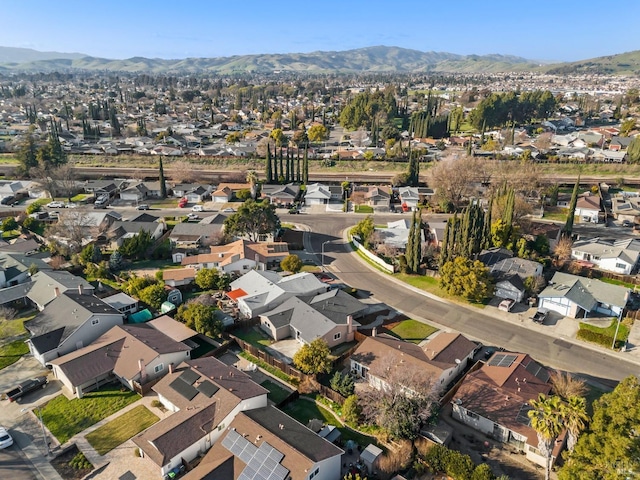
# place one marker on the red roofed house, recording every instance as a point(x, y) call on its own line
point(495, 400)
point(588, 207)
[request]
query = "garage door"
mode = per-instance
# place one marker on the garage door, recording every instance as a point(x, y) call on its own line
point(556, 307)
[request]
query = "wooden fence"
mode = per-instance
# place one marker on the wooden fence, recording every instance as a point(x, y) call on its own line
point(453, 390)
point(145, 388)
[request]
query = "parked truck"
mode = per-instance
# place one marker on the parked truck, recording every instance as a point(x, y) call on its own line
point(26, 387)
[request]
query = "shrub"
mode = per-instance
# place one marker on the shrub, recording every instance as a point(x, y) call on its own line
point(156, 404)
point(599, 338)
point(80, 462)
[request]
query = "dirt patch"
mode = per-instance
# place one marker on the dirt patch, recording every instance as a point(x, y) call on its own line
point(62, 465)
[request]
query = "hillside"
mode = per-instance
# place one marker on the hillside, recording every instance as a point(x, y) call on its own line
point(370, 59)
point(25, 55)
point(622, 64)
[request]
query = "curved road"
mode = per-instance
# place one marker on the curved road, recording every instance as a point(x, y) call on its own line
point(574, 357)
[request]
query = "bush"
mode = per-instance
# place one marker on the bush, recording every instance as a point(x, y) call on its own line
point(36, 206)
point(599, 338)
point(455, 464)
point(80, 462)
point(343, 384)
point(31, 223)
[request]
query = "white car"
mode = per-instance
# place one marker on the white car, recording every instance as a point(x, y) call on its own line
point(197, 208)
point(5, 439)
point(506, 305)
point(55, 205)
point(193, 216)
point(228, 210)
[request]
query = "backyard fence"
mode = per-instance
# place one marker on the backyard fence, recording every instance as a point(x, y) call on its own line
point(143, 389)
point(374, 258)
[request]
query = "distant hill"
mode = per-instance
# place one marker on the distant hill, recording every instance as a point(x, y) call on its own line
point(25, 55)
point(622, 64)
point(370, 59)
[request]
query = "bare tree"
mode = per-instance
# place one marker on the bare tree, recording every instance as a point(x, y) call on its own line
point(562, 250)
point(182, 171)
point(566, 385)
point(453, 178)
point(73, 229)
point(404, 399)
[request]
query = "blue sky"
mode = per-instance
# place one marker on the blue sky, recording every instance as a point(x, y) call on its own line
point(558, 30)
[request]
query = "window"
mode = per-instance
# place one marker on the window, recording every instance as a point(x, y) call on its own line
point(95, 321)
point(470, 414)
point(620, 265)
point(337, 336)
point(158, 368)
point(221, 427)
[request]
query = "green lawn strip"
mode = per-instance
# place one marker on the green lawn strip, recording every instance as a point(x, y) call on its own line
point(254, 337)
point(64, 418)
point(603, 336)
point(304, 410)
point(613, 281)
point(310, 268)
point(268, 368)
point(12, 328)
point(11, 352)
point(276, 392)
point(363, 209)
point(121, 429)
point(413, 331)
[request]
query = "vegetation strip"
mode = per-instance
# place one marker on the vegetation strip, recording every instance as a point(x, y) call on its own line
point(121, 429)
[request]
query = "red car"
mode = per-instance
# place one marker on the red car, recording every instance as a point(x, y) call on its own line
point(183, 202)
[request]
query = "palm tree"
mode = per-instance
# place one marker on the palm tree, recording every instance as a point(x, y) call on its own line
point(546, 420)
point(252, 179)
point(574, 416)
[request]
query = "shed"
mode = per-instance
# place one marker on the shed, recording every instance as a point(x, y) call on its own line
point(141, 316)
point(369, 457)
point(167, 307)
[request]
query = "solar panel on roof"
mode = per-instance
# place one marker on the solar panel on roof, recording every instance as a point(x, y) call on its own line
point(538, 371)
point(523, 415)
point(189, 376)
point(261, 463)
point(183, 388)
point(207, 388)
point(502, 360)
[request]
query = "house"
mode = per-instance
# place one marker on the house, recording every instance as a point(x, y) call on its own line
point(320, 194)
point(240, 256)
point(205, 395)
point(46, 285)
point(443, 358)
point(624, 206)
point(281, 195)
point(609, 156)
point(135, 192)
point(259, 291)
point(375, 196)
point(123, 230)
point(122, 302)
point(188, 235)
point(617, 256)
point(178, 277)
point(131, 353)
point(182, 189)
point(588, 207)
point(619, 143)
point(573, 296)
point(69, 322)
point(329, 315)
point(20, 245)
point(509, 272)
point(289, 449)
point(409, 197)
point(15, 268)
point(222, 195)
point(100, 187)
point(495, 401)
point(396, 234)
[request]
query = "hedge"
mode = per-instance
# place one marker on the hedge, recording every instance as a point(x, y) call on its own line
point(599, 338)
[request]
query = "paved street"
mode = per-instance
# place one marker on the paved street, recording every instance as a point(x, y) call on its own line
point(14, 465)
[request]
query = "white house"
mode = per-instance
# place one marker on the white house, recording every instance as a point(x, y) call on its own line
point(588, 207)
point(618, 256)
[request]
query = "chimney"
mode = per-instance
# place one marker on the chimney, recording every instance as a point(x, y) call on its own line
point(170, 368)
point(143, 372)
point(56, 290)
point(349, 324)
point(80, 289)
point(374, 332)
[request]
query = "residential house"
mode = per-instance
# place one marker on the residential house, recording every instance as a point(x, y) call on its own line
point(396, 234)
point(228, 190)
point(328, 315)
point(609, 156)
point(205, 395)
point(240, 256)
point(619, 143)
point(509, 272)
point(573, 296)
point(178, 277)
point(14, 268)
point(137, 353)
point(46, 285)
point(375, 196)
point(588, 207)
point(100, 187)
point(281, 195)
point(617, 256)
point(270, 443)
point(122, 302)
point(495, 400)
point(135, 192)
point(259, 291)
point(122, 230)
point(443, 358)
point(69, 322)
point(410, 197)
point(189, 235)
point(320, 194)
point(20, 245)
point(182, 189)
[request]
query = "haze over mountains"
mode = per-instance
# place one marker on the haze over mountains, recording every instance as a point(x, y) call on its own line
point(369, 59)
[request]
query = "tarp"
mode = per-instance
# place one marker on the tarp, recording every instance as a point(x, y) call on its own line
point(141, 316)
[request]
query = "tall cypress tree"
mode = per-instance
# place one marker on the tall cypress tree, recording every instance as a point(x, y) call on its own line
point(281, 166)
point(298, 173)
point(305, 171)
point(275, 166)
point(163, 184)
point(486, 233)
point(414, 244)
point(268, 172)
point(568, 226)
point(287, 174)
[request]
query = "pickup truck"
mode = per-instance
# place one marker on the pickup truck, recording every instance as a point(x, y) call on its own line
point(540, 315)
point(26, 387)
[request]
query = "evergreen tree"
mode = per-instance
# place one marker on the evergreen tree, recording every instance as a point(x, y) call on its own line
point(27, 152)
point(268, 172)
point(163, 184)
point(568, 226)
point(298, 173)
point(281, 167)
point(275, 166)
point(305, 171)
point(287, 168)
point(486, 231)
point(414, 243)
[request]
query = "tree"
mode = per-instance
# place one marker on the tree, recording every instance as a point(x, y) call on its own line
point(268, 170)
point(343, 384)
point(364, 229)
point(627, 126)
point(568, 226)
point(90, 254)
point(453, 178)
point(633, 150)
point(279, 137)
point(115, 261)
point(546, 420)
point(292, 263)
point(9, 224)
point(562, 250)
point(404, 401)
point(163, 184)
point(207, 278)
point(317, 133)
point(201, 318)
point(610, 448)
point(574, 416)
point(413, 253)
point(136, 246)
point(466, 278)
point(313, 357)
point(351, 410)
point(153, 295)
point(252, 220)
point(252, 180)
point(27, 151)
point(566, 385)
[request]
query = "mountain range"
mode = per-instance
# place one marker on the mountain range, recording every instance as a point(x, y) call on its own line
point(377, 59)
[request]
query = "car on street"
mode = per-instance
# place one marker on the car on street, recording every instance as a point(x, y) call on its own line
point(197, 208)
point(142, 206)
point(506, 305)
point(5, 438)
point(55, 205)
point(193, 216)
point(228, 210)
point(294, 211)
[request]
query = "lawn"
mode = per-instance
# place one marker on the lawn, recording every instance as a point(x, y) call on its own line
point(12, 328)
point(11, 352)
point(305, 410)
point(64, 418)
point(423, 282)
point(276, 392)
point(121, 429)
point(413, 331)
point(363, 209)
point(310, 268)
point(556, 213)
point(254, 337)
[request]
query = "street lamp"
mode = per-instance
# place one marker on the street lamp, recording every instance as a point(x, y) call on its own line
point(44, 432)
point(323, 244)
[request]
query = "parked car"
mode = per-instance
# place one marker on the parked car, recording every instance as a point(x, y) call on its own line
point(5, 438)
point(627, 224)
point(8, 200)
point(26, 387)
point(540, 315)
point(142, 206)
point(228, 210)
point(55, 205)
point(197, 208)
point(506, 305)
point(294, 211)
point(193, 216)
point(182, 203)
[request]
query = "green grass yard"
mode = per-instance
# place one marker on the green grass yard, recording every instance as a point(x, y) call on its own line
point(254, 337)
point(277, 393)
point(413, 331)
point(12, 328)
point(10, 353)
point(64, 418)
point(362, 209)
point(121, 429)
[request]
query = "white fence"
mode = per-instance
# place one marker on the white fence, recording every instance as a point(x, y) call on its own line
point(374, 258)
